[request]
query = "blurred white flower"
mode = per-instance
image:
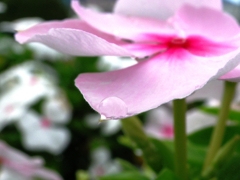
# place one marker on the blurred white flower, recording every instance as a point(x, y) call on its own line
point(19, 24)
point(8, 44)
point(44, 132)
point(17, 166)
point(197, 120)
point(108, 127)
point(43, 52)
point(40, 51)
point(20, 87)
point(109, 63)
point(102, 164)
point(3, 7)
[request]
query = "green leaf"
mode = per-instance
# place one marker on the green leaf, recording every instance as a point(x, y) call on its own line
point(196, 154)
point(126, 166)
point(202, 137)
point(132, 127)
point(221, 157)
point(82, 175)
point(166, 153)
point(233, 114)
point(125, 176)
point(166, 174)
point(126, 141)
point(230, 170)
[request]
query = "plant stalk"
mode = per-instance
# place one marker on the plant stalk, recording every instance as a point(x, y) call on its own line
point(180, 138)
point(219, 130)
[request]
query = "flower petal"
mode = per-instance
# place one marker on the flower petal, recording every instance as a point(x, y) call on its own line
point(233, 75)
point(150, 83)
point(43, 28)
point(159, 9)
point(72, 37)
point(120, 26)
point(206, 22)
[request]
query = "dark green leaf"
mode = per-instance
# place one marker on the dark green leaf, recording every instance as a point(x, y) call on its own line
point(202, 137)
point(233, 114)
point(230, 170)
point(126, 166)
point(166, 153)
point(166, 174)
point(221, 157)
point(125, 176)
point(132, 127)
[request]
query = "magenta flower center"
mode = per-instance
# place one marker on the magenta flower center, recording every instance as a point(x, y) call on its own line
point(177, 43)
point(149, 45)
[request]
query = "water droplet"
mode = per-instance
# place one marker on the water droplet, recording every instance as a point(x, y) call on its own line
point(112, 108)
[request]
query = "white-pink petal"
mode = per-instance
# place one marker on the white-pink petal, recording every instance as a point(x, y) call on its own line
point(72, 37)
point(120, 26)
point(78, 43)
point(159, 9)
point(206, 22)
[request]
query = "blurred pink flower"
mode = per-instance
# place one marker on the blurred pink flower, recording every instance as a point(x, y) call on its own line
point(16, 165)
point(159, 123)
point(180, 46)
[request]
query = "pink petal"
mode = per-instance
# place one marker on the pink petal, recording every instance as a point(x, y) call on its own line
point(72, 37)
point(159, 9)
point(207, 22)
point(120, 26)
point(43, 28)
point(233, 75)
point(150, 83)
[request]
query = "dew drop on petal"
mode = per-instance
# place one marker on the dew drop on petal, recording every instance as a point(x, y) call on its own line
point(113, 108)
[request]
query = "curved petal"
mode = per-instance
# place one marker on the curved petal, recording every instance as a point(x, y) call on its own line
point(43, 28)
point(77, 42)
point(233, 75)
point(150, 83)
point(159, 9)
point(72, 37)
point(206, 22)
point(120, 26)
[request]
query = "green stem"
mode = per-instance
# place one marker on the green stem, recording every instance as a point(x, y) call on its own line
point(219, 130)
point(180, 138)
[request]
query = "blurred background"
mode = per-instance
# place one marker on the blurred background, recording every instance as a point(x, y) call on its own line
point(43, 114)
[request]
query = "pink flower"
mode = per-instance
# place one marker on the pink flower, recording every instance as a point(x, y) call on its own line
point(180, 46)
point(159, 123)
point(16, 165)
